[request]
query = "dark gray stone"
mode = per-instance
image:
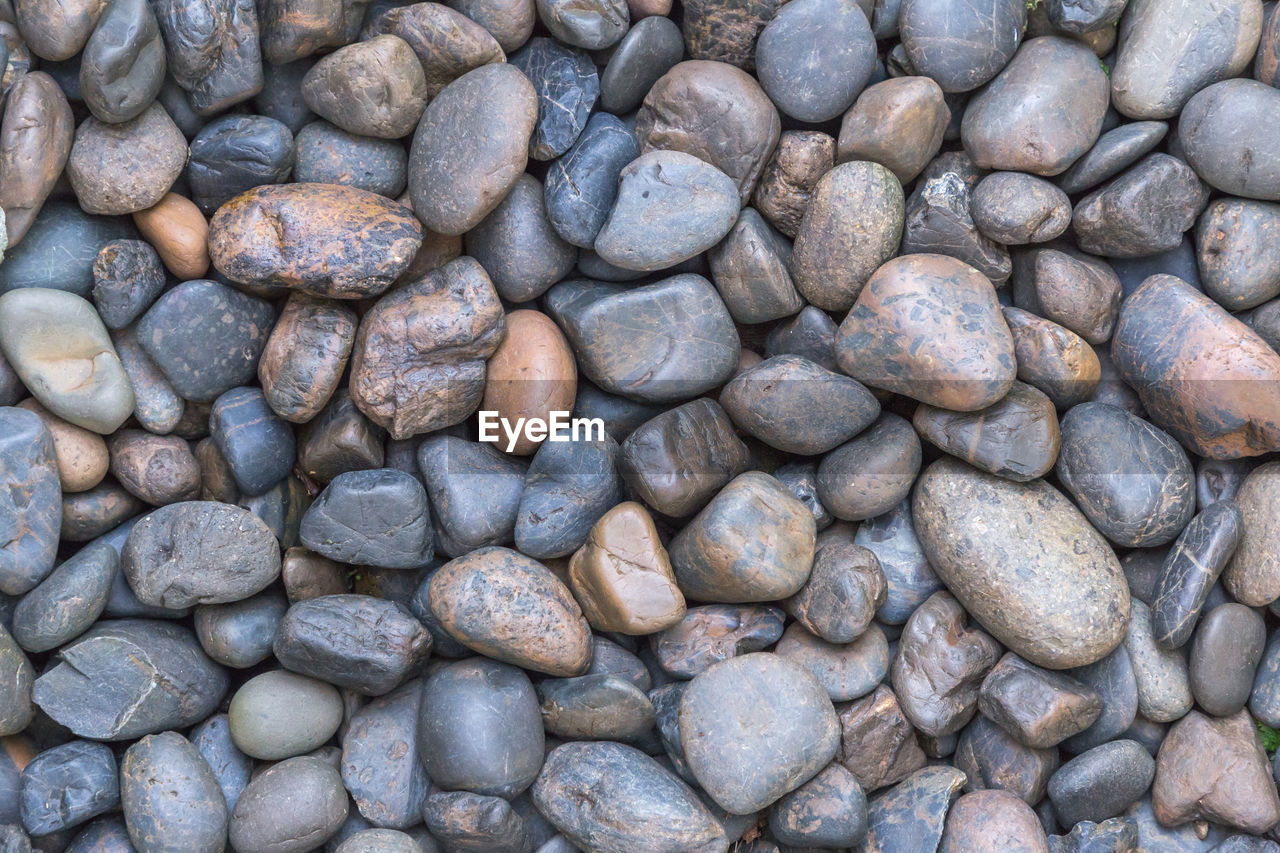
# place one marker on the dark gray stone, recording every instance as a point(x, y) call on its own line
point(475, 492)
point(213, 53)
point(127, 278)
point(518, 245)
point(568, 486)
point(567, 86)
point(239, 634)
point(231, 767)
point(713, 633)
point(595, 707)
point(1143, 212)
point(911, 814)
point(292, 806)
point(170, 797)
point(649, 49)
point(814, 57)
point(582, 185)
point(330, 155)
point(380, 765)
point(67, 785)
point(123, 63)
point(236, 153)
point(60, 249)
point(907, 573)
point(1113, 679)
point(1225, 653)
point(256, 442)
point(959, 45)
point(472, 823)
point(1222, 142)
point(1190, 570)
point(30, 501)
point(871, 474)
point(67, 602)
point(1102, 782)
point(1115, 151)
point(371, 518)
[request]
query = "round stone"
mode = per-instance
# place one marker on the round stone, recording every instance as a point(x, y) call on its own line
point(395, 530)
point(1143, 212)
point(958, 48)
point(898, 123)
point(290, 807)
point(281, 714)
point(371, 88)
point(814, 57)
point(1219, 139)
point(170, 797)
point(1015, 208)
point(129, 166)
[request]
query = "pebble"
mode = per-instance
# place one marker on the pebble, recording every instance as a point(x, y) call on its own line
point(59, 250)
point(367, 644)
point(200, 352)
point(291, 806)
point(1041, 112)
point(568, 488)
point(582, 184)
point(846, 671)
point(399, 534)
point(845, 587)
point(567, 86)
point(67, 602)
point(471, 146)
point(1252, 575)
point(304, 357)
point(1113, 679)
point(326, 154)
point(898, 123)
point(877, 743)
point(598, 706)
point(518, 246)
point(1190, 571)
point(339, 439)
point(34, 144)
point(1039, 707)
point(375, 238)
point(749, 746)
point(960, 51)
point(127, 278)
point(940, 218)
point(178, 231)
point(380, 764)
point(1115, 150)
point(1237, 414)
point(993, 760)
point(852, 226)
point(713, 633)
point(814, 57)
point(280, 714)
point(1216, 147)
point(30, 497)
point(474, 490)
point(236, 153)
point(239, 635)
point(1142, 212)
point(464, 821)
point(448, 42)
point(830, 810)
point(871, 474)
point(371, 88)
point(1069, 584)
point(1214, 769)
point(912, 814)
point(1224, 657)
point(651, 47)
point(216, 59)
point(785, 188)
point(1118, 834)
point(1164, 687)
point(750, 269)
point(1233, 249)
point(128, 166)
point(58, 346)
point(992, 820)
point(1102, 782)
point(1015, 208)
point(1078, 291)
point(67, 785)
point(1224, 42)
point(1131, 479)
point(170, 797)
point(114, 681)
point(593, 25)
point(467, 598)
point(510, 21)
point(81, 455)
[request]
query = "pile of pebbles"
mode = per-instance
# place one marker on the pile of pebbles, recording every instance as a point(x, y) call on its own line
point(921, 490)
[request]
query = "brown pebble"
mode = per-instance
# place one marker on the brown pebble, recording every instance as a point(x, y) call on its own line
point(877, 743)
point(530, 375)
point(159, 469)
point(81, 455)
point(307, 575)
point(306, 355)
point(992, 821)
point(1053, 358)
point(786, 185)
point(897, 123)
point(177, 230)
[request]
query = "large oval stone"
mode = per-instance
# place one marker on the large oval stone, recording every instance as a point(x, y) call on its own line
point(170, 796)
point(1024, 562)
point(1223, 138)
point(1202, 375)
point(57, 345)
point(1167, 50)
point(199, 552)
point(1042, 112)
point(658, 343)
point(322, 239)
point(959, 45)
point(754, 728)
point(929, 327)
point(471, 146)
point(472, 595)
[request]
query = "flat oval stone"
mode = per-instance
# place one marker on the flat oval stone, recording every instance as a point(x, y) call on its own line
point(1102, 782)
point(235, 153)
point(1131, 479)
point(753, 542)
point(68, 785)
point(467, 598)
point(1015, 208)
point(674, 118)
point(1222, 407)
point(462, 820)
point(1024, 562)
point(1234, 249)
point(1039, 707)
point(657, 343)
point(567, 85)
point(374, 87)
point(380, 765)
point(713, 633)
point(1224, 658)
point(123, 64)
point(471, 146)
point(912, 814)
point(290, 807)
point(1164, 688)
point(479, 728)
point(814, 57)
point(992, 820)
point(35, 140)
point(871, 474)
point(1218, 138)
point(670, 207)
point(1143, 212)
point(852, 226)
point(898, 123)
point(125, 678)
point(958, 46)
point(128, 166)
point(1221, 43)
point(1115, 150)
point(170, 797)
point(394, 529)
point(1050, 99)
point(305, 356)
point(615, 799)
point(199, 552)
point(367, 644)
point(581, 185)
point(1190, 570)
point(1253, 574)
point(928, 326)
point(200, 352)
point(287, 235)
point(622, 576)
point(57, 345)
point(1017, 438)
point(30, 501)
point(1075, 290)
point(568, 488)
point(66, 603)
point(281, 714)
point(754, 728)
point(649, 49)
point(599, 706)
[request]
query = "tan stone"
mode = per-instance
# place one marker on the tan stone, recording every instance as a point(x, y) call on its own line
point(177, 230)
point(82, 455)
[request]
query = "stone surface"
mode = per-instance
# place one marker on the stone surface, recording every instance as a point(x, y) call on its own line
point(940, 217)
point(1066, 602)
point(1253, 574)
point(830, 810)
point(291, 806)
point(373, 88)
point(749, 750)
point(35, 140)
point(1225, 152)
point(67, 602)
point(1015, 208)
point(125, 167)
point(649, 49)
point(448, 42)
point(956, 353)
point(380, 764)
point(713, 633)
point(1239, 268)
point(582, 185)
point(897, 123)
point(1102, 782)
point(814, 57)
point(1114, 151)
point(567, 85)
point(1017, 438)
point(992, 820)
point(474, 491)
point(171, 798)
point(960, 46)
point(518, 246)
point(750, 269)
point(594, 25)
point(215, 57)
point(1164, 688)
point(1224, 656)
point(68, 785)
point(786, 184)
point(911, 815)
point(1143, 212)
point(871, 474)
point(123, 64)
point(371, 518)
point(993, 760)
point(845, 588)
point(568, 488)
point(1039, 707)
point(236, 153)
point(1190, 571)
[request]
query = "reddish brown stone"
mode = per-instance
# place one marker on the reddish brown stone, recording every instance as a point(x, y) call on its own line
point(877, 743)
point(1053, 358)
point(897, 123)
point(786, 185)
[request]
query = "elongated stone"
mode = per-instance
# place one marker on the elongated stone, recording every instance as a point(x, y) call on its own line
point(30, 501)
point(1190, 570)
point(171, 797)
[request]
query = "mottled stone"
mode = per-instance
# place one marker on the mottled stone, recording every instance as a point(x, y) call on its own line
point(846, 671)
point(993, 760)
point(928, 326)
point(1143, 212)
point(1015, 208)
point(1253, 574)
point(1078, 291)
point(305, 356)
point(374, 88)
point(236, 153)
point(751, 270)
point(127, 278)
point(939, 218)
point(911, 815)
point(567, 87)
point(877, 743)
point(449, 43)
point(1164, 686)
point(1039, 707)
point(213, 51)
point(592, 25)
point(123, 64)
point(1017, 438)
point(35, 139)
point(829, 810)
point(330, 155)
point(842, 593)
point(713, 633)
point(1190, 570)
point(1219, 138)
point(992, 820)
point(788, 179)
point(126, 167)
point(1235, 241)
point(726, 30)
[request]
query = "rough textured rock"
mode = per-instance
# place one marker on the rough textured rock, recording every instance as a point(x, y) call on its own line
point(1039, 707)
point(786, 184)
point(372, 88)
point(125, 167)
point(1017, 438)
point(371, 518)
point(911, 815)
point(30, 497)
point(1253, 574)
point(1143, 212)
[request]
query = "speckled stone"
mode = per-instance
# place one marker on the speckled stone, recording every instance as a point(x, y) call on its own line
point(911, 815)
